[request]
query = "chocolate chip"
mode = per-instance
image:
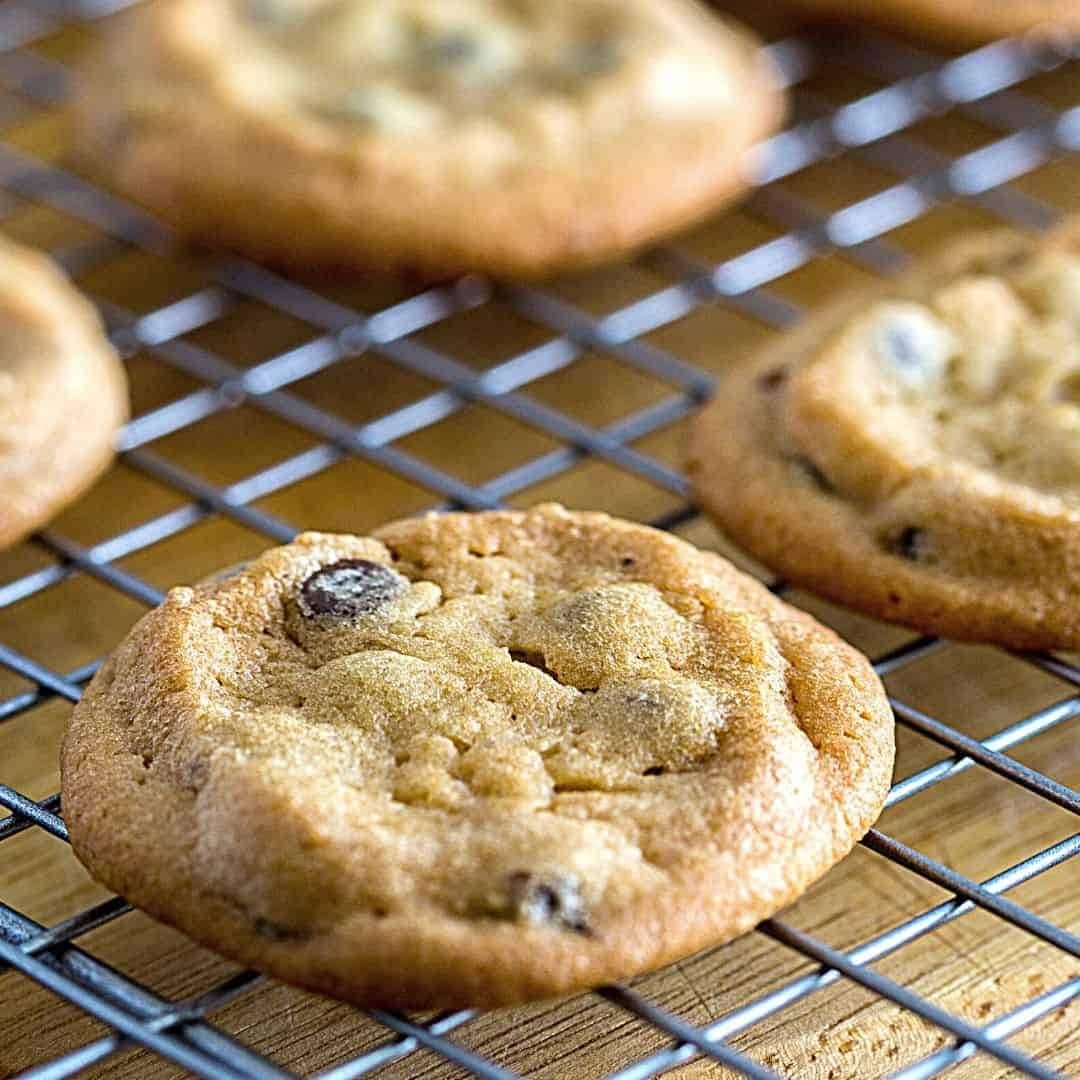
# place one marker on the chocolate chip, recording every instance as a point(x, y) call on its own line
point(356, 107)
point(914, 348)
point(627, 561)
point(911, 544)
point(262, 12)
point(597, 56)
point(455, 47)
point(902, 346)
point(772, 380)
point(348, 589)
point(554, 901)
point(273, 931)
point(1068, 389)
point(654, 770)
point(812, 473)
point(1013, 261)
point(270, 13)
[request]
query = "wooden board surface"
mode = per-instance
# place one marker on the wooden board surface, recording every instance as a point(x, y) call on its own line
point(977, 823)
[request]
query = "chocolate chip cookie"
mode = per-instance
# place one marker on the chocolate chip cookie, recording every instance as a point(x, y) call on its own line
point(914, 451)
point(63, 393)
point(957, 22)
point(475, 759)
point(511, 136)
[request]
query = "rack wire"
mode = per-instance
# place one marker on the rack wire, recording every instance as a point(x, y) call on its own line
point(899, 88)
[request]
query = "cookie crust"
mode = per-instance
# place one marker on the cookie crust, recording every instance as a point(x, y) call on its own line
point(514, 177)
point(63, 392)
point(924, 530)
point(594, 749)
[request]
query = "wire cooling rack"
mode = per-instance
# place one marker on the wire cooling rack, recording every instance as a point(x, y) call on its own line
point(1015, 94)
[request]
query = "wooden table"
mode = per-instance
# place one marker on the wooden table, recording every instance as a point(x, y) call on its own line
point(976, 966)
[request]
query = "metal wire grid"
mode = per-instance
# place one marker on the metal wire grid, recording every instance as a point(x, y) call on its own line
point(919, 85)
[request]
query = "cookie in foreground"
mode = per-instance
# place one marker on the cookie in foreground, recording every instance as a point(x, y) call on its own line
point(515, 138)
point(475, 759)
point(913, 451)
point(63, 392)
point(958, 22)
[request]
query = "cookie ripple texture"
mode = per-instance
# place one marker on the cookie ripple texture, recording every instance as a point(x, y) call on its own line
point(63, 393)
point(914, 451)
point(510, 136)
point(476, 759)
point(957, 22)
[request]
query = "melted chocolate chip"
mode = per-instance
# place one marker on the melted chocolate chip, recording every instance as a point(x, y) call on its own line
point(1012, 261)
point(654, 770)
point(1068, 389)
point(273, 931)
point(772, 380)
point(597, 56)
point(554, 901)
point(812, 473)
point(455, 47)
point(914, 350)
point(902, 346)
point(348, 589)
point(357, 107)
point(911, 544)
point(271, 14)
point(261, 12)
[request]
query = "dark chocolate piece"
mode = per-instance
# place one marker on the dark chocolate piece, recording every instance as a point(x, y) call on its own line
point(597, 56)
point(272, 931)
point(773, 380)
point(813, 473)
point(349, 589)
point(911, 544)
point(450, 49)
point(553, 901)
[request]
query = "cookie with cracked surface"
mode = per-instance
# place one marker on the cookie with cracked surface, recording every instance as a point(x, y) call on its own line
point(914, 451)
point(958, 22)
point(63, 393)
point(474, 759)
point(510, 136)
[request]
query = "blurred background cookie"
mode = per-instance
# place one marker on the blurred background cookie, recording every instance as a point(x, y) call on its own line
point(63, 393)
point(516, 138)
point(914, 451)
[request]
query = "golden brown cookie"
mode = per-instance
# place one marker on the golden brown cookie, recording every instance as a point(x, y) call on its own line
point(959, 22)
point(511, 136)
point(475, 759)
point(63, 393)
point(913, 451)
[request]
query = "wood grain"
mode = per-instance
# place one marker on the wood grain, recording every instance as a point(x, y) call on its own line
point(976, 966)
